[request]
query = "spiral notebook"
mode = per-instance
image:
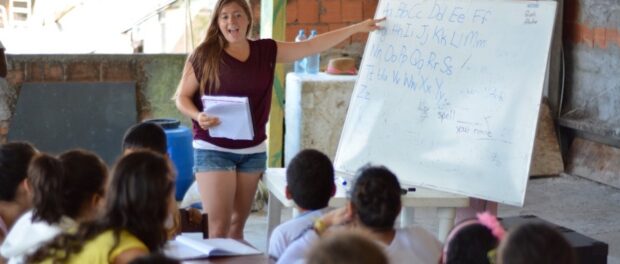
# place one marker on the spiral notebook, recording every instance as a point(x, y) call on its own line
point(188, 246)
point(234, 114)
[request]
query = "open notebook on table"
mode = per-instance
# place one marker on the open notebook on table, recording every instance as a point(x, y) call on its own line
point(192, 246)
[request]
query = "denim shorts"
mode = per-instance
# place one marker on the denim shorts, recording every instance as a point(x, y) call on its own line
point(213, 160)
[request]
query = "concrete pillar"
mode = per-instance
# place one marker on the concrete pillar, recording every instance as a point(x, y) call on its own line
point(273, 25)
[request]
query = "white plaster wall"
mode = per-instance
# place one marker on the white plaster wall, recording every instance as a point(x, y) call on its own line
point(315, 110)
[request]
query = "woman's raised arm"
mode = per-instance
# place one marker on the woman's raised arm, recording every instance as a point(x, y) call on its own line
point(291, 51)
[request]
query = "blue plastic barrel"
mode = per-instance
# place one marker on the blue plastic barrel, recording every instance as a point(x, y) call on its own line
point(180, 150)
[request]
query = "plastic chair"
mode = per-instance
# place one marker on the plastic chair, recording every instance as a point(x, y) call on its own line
point(192, 220)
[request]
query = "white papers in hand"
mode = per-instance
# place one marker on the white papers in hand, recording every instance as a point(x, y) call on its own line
point(192, 246)
point(234, 114)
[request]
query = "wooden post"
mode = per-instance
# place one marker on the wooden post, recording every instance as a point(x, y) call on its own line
point(273, 25)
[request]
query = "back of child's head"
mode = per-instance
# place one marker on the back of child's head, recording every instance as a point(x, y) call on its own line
point(473, 241)
point(376, 197)
point(14, 160)
point(535, 243)
point(145, 135)
point(310, 179)
point(346, 247)
point(139, 195)
point(66, 185)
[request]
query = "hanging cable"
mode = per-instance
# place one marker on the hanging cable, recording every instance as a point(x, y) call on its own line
point(189, 30)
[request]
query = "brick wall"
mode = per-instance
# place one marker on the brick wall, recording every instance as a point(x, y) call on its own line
point(591, 96)
point(326, 15)
point(156, 77)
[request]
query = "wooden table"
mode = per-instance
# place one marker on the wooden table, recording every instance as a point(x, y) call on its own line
point(253, 259)
point(446, 203)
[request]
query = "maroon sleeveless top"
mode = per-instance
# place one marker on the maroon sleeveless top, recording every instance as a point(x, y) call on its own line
point(252, 78)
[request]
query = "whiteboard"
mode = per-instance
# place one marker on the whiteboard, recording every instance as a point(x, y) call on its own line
point(448, 95)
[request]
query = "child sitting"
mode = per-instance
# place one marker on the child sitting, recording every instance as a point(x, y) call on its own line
point(14, 197)
point(310, 183)
point(150, 136)
point(134, 220)
point(473, 240)
point(65, 190)
point(145, 135)
point(374, 205)
point(535, 243)
point(347, 247)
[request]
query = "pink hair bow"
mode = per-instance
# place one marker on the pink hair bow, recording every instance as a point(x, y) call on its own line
point(490, 221)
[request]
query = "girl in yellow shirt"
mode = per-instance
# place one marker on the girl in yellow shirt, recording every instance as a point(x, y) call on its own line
point(138, 205)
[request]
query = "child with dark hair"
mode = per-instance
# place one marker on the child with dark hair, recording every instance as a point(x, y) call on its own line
point(133, 222)
point(535, 243)
point(145, 135)
point(65, 191)
point(310, 183)
point(473, 241)
point(374, 205)
point(14, 198)
point(347, 247)
point(151, 136)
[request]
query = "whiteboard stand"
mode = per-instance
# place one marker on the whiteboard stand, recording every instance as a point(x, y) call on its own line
point(448, 95)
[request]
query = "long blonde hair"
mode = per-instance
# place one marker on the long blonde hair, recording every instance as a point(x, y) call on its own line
point(206, 58)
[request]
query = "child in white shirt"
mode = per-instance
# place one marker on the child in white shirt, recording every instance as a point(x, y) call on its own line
point(15, 198)
point(310, 183)
point(66, 190)
point(374, 205)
